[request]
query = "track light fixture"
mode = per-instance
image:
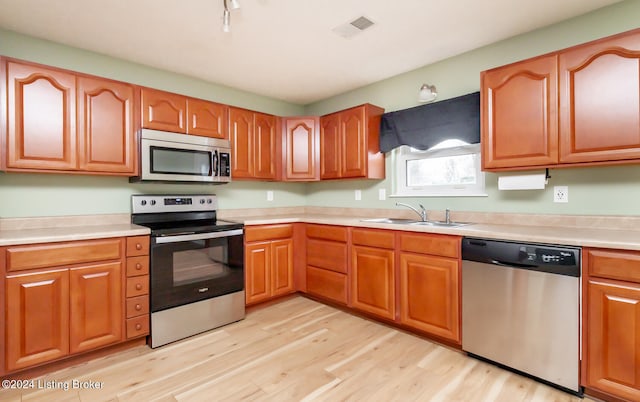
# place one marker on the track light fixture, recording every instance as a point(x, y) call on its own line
point(226, 16)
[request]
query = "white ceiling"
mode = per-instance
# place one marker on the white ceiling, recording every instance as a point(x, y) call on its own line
point(284, 49)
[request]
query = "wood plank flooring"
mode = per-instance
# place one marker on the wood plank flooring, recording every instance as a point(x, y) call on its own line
point(294, 350)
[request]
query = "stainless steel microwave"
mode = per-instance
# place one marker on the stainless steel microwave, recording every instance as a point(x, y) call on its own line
point(173, 157)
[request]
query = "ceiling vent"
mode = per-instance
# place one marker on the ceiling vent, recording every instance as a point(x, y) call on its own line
point(351, 29)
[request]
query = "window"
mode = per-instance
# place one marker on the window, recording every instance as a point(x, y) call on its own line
point(451, 168)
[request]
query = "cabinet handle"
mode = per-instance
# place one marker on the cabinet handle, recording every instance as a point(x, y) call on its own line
point(138, 327)
point(138, 286)
point(138, 266)
point(138, 307)
point(138, 246)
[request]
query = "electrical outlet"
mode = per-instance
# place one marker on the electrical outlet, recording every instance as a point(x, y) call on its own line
point(269, 195)
point(358, 195)
point(560, 194)
point(382, 194)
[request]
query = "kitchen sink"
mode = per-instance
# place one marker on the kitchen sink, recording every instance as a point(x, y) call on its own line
point(400, 221)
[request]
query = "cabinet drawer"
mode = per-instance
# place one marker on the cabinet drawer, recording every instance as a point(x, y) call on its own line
point(137, 306)
point(614, 264)
point(327, 232)
point(58, 254)
point(137, 286)
point(270, 232)
point(137, 326)
point(373, 238)
point(138, 265)
point(328, 284)
point(327, 254)
point(137, 245)
point(434, 244)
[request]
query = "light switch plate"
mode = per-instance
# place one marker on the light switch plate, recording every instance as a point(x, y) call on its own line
point(382, 194)
point(358, 195)
point(269, 195)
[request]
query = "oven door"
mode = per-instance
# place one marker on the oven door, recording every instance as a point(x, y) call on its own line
point(192, 267)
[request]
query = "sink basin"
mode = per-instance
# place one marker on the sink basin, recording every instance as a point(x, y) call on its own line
point(400, 221)
point(441, 224)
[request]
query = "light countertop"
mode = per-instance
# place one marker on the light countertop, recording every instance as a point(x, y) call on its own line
point(48, 235)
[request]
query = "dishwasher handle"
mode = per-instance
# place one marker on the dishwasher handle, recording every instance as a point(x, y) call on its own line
point(511, 264)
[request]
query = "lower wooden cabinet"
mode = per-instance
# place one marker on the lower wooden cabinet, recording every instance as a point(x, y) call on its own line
point(611, 330)
point(37, 318)
point(67, 298)
point(327, 262)
point(95, 317)
point(429, 294)
point(268, 262)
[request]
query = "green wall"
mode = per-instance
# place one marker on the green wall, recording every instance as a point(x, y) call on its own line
point(606, 190)
point(602, 191)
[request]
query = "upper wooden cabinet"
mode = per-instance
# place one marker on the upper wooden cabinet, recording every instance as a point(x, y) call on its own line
point(349, 144)
point(301, 148)
point(41, 105)
point(519, 110)
point(60, 121)
point(577, 106)
point(253, 144)
point(181, 114)
point(600, 100)
point(106, 129)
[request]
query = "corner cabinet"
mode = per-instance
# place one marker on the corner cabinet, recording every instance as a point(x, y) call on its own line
point(301, 148)
point(60, 121)
point(578, 106)
point(349, 144)
point(611, 329)
point(253, 145)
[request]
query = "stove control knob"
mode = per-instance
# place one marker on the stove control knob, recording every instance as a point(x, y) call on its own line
point(209, 201)
point(201, 200)
point(153, 202)
point(143, 202)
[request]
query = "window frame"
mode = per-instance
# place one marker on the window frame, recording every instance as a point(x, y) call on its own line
point(402, 154)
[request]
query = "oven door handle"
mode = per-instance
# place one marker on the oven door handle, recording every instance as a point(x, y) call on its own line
point(199, 236)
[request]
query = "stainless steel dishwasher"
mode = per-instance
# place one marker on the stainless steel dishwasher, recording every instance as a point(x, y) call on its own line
point(521, 308)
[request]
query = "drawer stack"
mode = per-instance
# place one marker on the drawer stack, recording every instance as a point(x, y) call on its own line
point(327, 263)
point(137, 287)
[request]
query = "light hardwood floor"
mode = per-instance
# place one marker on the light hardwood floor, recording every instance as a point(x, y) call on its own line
point(295, 350)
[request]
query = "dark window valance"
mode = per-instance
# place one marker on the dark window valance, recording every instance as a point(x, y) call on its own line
point(424, 126)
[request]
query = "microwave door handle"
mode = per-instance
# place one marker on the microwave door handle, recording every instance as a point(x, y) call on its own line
point(215, 164)
point(199, 236)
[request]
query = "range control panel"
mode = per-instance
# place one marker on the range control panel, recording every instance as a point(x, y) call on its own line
point(142, 204)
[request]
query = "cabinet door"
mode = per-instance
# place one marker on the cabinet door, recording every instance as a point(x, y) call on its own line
point(613, 338)
point(96, 306)
point(330, 146)
point(264, 146)
point(353, 152)
point(519, 114)
point(106, 131)
point(429, 294)
point(600, 101)
point(373, 281)
point(207, 119)
point(282, 267)
point(37, 320)
point(257, 272)
point(241, 133)
point(164, 111)
point(41, 118)
point(301, 148)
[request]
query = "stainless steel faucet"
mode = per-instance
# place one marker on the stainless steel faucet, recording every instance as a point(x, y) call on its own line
point(422, 212)
point(447, 216)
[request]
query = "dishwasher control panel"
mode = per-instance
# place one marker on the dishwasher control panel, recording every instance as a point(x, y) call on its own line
point(544, 255)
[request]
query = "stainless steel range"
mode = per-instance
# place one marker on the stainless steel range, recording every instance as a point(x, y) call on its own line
point(197, 265)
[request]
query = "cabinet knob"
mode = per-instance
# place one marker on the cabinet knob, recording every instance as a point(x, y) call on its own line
point(138, 286)
point(138, 246)
point(138, 266)
point(138, 327)
point(138, 307)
